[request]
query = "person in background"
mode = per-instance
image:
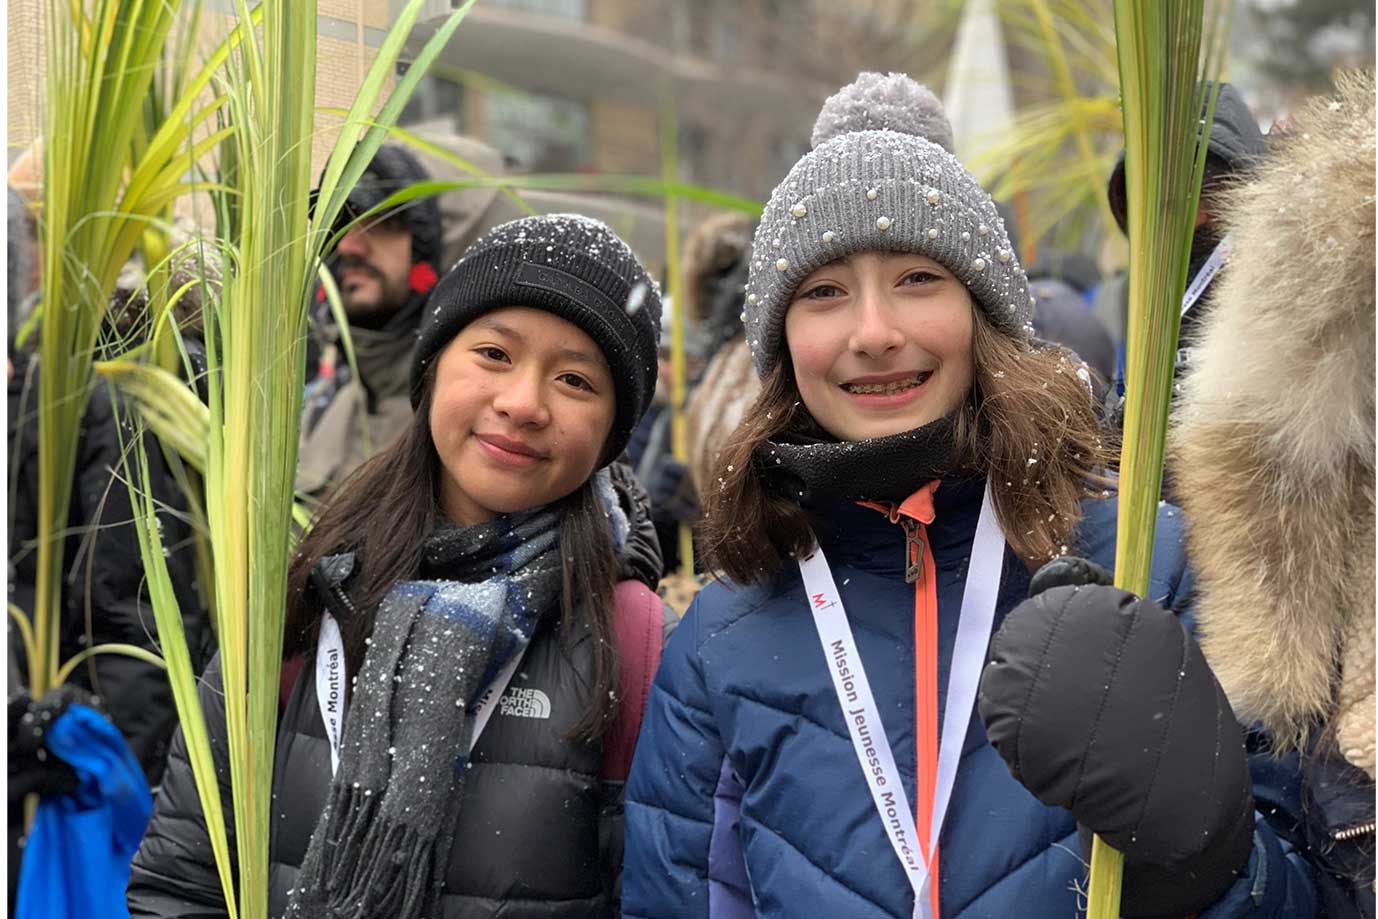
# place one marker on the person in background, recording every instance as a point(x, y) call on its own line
point(95, 771)
point(385, 270)
point(1234, 148)
point(23, 263)
point(914, 458)
point(104, 597)
point(728, 384)
point(1060, 315)
point(1072, 268)
point(1274, 441)
point(714, 265)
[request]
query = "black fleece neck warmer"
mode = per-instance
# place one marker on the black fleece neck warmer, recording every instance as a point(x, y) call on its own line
point(808, 465)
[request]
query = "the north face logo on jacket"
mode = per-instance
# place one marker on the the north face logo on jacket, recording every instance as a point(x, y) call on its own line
point(524, 703)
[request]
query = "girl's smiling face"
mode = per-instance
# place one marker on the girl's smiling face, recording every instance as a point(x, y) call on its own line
point(880, 343)
point(522, 409)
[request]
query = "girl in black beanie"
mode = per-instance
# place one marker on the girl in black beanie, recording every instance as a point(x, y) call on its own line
point(453, 606)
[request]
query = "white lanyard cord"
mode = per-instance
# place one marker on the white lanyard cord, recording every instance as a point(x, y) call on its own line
point(1206, 274)
point(859, 708)
point(330, 685)
point(979, 597)
point(330, 695)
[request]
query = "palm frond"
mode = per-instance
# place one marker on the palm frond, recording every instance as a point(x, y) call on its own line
point(1168, 104)
point(245, 438)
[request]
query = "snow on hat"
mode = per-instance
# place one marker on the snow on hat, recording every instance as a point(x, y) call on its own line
point(880, 177)
point(566, 264)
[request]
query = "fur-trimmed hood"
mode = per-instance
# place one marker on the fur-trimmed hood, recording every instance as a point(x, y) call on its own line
point(1274, 437)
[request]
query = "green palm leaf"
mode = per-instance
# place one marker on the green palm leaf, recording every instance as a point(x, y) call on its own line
point(245, 438)
point(1164, 63)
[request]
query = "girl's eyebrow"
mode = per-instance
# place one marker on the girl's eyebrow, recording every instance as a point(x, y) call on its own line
point(576, 355)
point(496, 325)
point(579, 356)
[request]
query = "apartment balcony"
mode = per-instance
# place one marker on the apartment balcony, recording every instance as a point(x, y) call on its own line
point(566, 56)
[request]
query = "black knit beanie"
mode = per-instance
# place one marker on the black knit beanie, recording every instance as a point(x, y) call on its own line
point(569, 265)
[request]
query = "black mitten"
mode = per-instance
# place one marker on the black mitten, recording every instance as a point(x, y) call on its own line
point(1101, 703)
point(32, 769)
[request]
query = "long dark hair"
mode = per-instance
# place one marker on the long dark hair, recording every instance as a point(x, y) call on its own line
point(384, 511)
point(1028, 423)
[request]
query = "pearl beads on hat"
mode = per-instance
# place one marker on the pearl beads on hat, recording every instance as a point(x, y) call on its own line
point(883, 223)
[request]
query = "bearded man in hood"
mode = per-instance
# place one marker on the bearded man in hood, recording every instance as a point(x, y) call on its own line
point(1234, 149)
point(385, 268)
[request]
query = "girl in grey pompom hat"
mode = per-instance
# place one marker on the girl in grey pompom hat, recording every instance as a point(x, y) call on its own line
point(914, 456)
point(890, 323)
point(881, 177)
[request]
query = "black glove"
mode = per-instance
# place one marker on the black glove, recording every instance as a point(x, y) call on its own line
point(32, 769)
point(1101, 703)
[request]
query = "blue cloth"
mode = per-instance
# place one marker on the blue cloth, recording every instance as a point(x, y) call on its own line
point(745, 797)
point(76, 863)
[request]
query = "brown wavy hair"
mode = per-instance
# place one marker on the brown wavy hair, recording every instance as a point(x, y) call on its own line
point(1028, 422)
point(385, 510)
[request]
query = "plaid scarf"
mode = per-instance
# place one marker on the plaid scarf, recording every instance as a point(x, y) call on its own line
point(383, 841)
point(382, 844)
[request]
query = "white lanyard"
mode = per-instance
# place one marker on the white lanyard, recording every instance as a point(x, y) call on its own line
point(330, 681)
point(862, 715)
point(1208, 271)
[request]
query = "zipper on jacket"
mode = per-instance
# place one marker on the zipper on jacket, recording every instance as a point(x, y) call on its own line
point(921, 572)
point(347, 605)
point(913, 541)
point(1353, 832)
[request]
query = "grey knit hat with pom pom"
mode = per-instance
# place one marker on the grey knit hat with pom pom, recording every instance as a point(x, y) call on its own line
point(880, 177)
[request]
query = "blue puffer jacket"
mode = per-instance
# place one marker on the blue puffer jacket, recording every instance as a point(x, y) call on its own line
point(746, 798)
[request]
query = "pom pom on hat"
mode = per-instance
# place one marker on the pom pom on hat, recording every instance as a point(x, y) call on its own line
point(879, 102)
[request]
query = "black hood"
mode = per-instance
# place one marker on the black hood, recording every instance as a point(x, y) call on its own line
point(1235, 144)
point(392, 169)
point(640, 558)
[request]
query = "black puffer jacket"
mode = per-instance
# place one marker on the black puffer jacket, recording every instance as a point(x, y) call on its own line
point(540, 830)
point(104, 598)
point(1338, 816)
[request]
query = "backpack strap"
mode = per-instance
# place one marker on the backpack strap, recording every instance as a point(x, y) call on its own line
point(638, 622)
point(287, 679)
